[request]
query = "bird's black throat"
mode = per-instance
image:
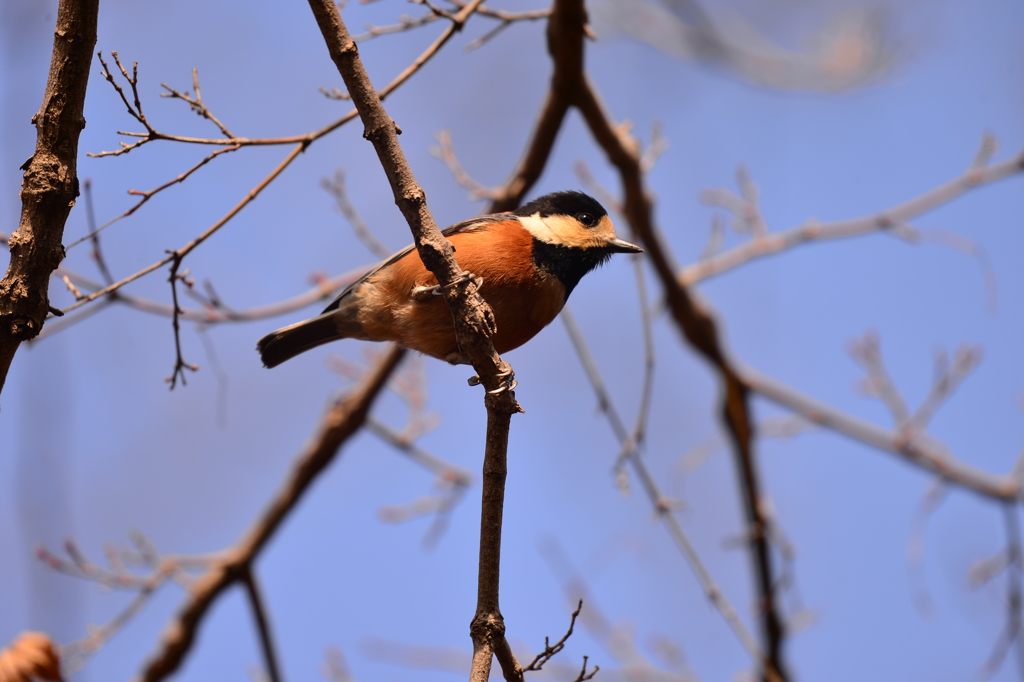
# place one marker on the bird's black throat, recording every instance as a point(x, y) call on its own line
point(567, 263)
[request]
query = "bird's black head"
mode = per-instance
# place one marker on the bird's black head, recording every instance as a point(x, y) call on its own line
point(572, 234)
point(574, 204)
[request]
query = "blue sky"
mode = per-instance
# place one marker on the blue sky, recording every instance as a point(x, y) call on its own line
point(93, 445)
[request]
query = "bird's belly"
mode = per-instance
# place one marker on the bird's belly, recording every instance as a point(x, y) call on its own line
point(520, 312)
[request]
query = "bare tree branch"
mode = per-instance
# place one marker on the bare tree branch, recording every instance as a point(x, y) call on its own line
point(663, 507)
point(923, 451)
point(252, 590)
point(474, 320)
point(701, 331)
point(50, 187)
point(894, 220)
point(343, 419)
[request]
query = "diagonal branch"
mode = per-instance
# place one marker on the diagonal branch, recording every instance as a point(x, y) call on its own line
point(893, 220)
point(924, 451)
point(343, 419)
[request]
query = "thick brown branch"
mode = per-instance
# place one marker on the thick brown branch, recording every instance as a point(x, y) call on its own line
point(50, 186)
point(344, 418)
point(565, 33)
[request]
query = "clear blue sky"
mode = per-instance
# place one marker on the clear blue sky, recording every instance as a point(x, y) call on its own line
point(93, 445)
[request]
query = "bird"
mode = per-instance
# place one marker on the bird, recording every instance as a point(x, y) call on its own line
point(526, 263)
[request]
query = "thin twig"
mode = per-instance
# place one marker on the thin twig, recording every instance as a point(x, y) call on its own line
point(660, 503)
point(549, 651)
point(301, 141)
point(147, 195)
point(179, 361)
point(814, 230)
point(179, 254)
point(337, 189)
point(406, 22)
point(196, 103)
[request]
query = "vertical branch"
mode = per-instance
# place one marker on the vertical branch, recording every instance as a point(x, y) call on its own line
point(344, 418)
point(1014, 571)
point(701, 330)
point(565, 33)
point(51, 181)
point(487, 628)
point(473, 318)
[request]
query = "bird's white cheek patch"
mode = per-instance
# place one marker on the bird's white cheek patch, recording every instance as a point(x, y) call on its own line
point(566, 231)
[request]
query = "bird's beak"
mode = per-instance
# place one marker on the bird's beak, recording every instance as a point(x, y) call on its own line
point(616, 245)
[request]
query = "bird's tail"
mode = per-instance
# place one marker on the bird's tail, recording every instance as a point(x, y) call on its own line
point(286, 343)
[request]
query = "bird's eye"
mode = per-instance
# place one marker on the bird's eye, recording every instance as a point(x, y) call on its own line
point(586, 219)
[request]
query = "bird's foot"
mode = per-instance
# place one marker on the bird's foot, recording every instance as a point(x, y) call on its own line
point(507, 375)
point(423, 293)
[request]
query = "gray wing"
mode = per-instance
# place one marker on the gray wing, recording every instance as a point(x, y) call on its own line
point(465, 226)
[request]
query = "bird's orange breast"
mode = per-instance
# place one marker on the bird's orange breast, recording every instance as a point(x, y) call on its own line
point(524, 301)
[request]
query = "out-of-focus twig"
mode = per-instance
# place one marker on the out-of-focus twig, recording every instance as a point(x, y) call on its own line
point(161, 569)
point(894, 220)
point(924, 451)
point(336, 188)
point(930, 502)
point(1012, 631)
point(853, 49)
point(663, 506)
point(700, 329)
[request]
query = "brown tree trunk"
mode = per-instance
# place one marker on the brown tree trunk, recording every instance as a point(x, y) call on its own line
point(51, 181)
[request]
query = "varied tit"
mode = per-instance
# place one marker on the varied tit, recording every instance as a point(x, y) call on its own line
point(526, 263)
